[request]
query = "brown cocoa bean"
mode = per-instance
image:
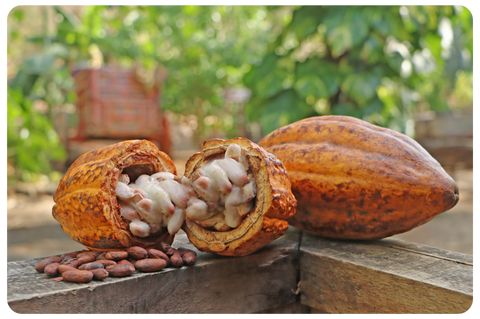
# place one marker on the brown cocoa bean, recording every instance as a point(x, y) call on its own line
point(150, 265)
point(157, 254)
point(102, 256)
point(116, 255)
point(41, 265)
point(64, 268)
point(70, 262)
point(96, 252)
point(137, 252)
point(189, 256)
point(176, 259)
point(57, 278)
point(109, 267)
point(166, 248)
point(99, 274)
point(66, 258)
point(121, 270)
point(125, 261)
point(72, 254)
point(106, 262)
point(86, 253)
point(85, 259)
point(91, 266)
point(77, 276)
point(51, 269)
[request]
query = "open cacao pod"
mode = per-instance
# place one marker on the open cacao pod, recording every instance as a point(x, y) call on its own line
point(85, 200)
point(355, 180)
point(235, 197)
point(272, 205)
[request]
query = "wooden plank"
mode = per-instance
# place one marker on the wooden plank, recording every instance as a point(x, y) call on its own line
point(385, 276)
point(297, 308)
point(216, 284)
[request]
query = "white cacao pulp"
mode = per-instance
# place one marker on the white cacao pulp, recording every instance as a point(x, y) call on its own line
point(219, 198)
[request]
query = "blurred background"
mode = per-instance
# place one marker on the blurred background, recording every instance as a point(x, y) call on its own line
point(81, 77)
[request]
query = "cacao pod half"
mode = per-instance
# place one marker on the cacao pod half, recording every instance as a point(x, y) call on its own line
point(85, 200)
point(355, 180)
point(274, 201)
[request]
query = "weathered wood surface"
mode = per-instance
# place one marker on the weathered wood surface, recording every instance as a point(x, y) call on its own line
point(385, 276)
point(264, 280)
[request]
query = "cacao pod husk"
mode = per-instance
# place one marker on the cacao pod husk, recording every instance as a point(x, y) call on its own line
point(266, 222)
point(85, 200)
point(355, 180)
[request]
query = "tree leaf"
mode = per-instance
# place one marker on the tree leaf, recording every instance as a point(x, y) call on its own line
point(346, 108)
point(266, 66)
point(327, 71)
point(361, 87)
point(282, 109)
point(305, 20)
point(358, 25)
point(311, 85)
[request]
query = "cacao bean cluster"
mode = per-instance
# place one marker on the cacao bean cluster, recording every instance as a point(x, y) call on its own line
point(86, 265)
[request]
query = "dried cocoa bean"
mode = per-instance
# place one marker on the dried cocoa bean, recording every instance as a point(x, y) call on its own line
point(125, 261)
point(166, 248)
point(109, 267)
point(96, 252)
point(137, 252)
point(77, 276)
point(99, 274)
point(188, 256)
point(85, 259)
point(72, 254)
point(150, 265)
point(90, 252)
point(121, 270)
point(106, 262)
point(70, 262)
point(102, 256)
point(41, 265)
point(51, 269)
point(157, 254)
point(66, 258)
point(64, 268)
point(91, 266)
point(176, 259)
point(116, 255)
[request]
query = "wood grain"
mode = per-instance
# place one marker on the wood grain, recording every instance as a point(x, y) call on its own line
point(384, 276)
point(216, 284)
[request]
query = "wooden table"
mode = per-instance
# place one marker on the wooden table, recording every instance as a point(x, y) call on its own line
point(298, 273)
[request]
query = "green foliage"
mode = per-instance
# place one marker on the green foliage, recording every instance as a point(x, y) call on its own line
point(205, 49)
point(381, 64)
point(32, 141)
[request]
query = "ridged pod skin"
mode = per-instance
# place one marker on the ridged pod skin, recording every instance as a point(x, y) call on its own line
point(355, 180)
point(85, 200)
point(266, 222)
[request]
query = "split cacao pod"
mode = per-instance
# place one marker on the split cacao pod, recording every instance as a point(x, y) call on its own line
point(355, 180)
point(85, 200)
point(266, 221)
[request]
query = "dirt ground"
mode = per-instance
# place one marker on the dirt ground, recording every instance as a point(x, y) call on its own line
point(32, 231)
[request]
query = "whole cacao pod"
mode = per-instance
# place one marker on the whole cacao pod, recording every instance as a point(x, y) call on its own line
point(355, 180)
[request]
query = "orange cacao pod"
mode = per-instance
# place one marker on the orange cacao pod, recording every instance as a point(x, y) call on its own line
point(85, 200)
point(274, 201)
point(355, 180)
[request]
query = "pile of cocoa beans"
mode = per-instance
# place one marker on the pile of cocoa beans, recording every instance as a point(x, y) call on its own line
point(86, 265)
